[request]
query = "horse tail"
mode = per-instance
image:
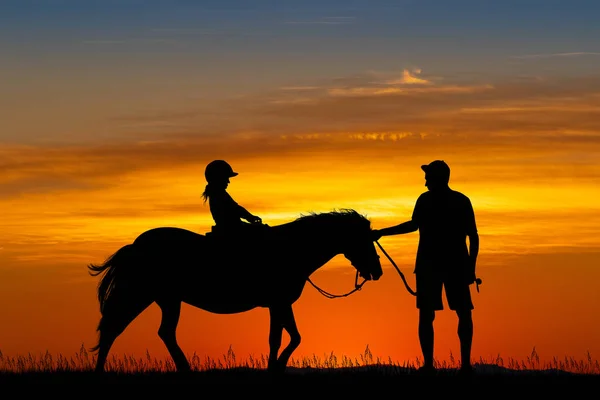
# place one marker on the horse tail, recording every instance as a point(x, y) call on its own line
point(112, 272)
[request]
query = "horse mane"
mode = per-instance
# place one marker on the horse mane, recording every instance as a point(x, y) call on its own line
point(345, 217)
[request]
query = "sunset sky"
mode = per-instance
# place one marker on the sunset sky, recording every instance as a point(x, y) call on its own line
point(110, 110)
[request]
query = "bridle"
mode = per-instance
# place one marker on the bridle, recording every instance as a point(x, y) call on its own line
point(358, 286)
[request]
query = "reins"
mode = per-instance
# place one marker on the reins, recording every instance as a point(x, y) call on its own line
point(358, 286)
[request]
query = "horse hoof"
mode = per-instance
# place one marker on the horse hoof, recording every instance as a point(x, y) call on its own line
point(276, 370)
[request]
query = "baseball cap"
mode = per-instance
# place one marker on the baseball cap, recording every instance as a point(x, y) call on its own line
point(437, 168)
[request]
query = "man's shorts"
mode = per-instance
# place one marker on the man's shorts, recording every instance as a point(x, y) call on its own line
point(429, 292)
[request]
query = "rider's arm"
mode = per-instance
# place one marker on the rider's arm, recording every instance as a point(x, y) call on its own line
point(245, 214)
point(238, 210)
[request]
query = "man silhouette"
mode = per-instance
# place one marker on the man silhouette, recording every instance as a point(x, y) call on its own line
point(444, 219)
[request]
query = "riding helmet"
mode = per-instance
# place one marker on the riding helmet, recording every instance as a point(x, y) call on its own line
point(218, 169)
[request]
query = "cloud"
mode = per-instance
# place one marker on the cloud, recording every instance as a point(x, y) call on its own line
point(323, 21)
point(105, 41)
point(551, 55)
point(372, 102)
point(408, 83)
point(132, 41)
point(188, 31)
point(191, 32)
point(409, 78)
point(577, 108)
point(300, 88)
point(358, 98)
point(514, 119)
point(375, 91)
point(564, 108)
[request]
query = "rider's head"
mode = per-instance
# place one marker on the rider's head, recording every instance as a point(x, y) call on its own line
point(437, 174)
point(217, 174)
point(218, 171)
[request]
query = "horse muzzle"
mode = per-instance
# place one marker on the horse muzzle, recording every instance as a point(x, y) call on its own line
point(370, 276)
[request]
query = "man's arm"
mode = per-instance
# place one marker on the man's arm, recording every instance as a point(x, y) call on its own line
point(473, 236)
point(473, 253)
point(405, 227)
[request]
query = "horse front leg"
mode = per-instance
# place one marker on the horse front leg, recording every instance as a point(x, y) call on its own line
point(289, 324)
point(275, 333)
point(282, 318)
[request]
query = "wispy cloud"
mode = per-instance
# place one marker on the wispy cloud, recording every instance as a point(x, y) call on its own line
point(130, 41)
point(358, 113)
point(191, 32)
point(323, 21)
point(187, 31)
point(105, 41)
point(299, 88)
point(550, 55)
point(408, 83)
point(370, 91)
point(410, 78)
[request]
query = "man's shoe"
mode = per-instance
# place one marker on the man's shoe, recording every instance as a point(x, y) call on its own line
point(466, 371)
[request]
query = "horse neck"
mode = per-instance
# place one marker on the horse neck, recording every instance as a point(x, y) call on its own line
point(324, 255)
point(317, 246)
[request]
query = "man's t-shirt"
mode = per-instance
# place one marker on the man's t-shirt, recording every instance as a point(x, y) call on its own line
point(444, 219)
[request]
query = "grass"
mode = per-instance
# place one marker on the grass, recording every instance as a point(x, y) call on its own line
point(78, 368)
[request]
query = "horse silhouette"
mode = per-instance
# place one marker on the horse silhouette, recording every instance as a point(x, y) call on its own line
point(227, 275)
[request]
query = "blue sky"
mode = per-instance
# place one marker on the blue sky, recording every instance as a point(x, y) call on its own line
point(115, 57)
point(382, 30)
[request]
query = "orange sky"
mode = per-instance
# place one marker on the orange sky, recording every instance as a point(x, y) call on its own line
point(99, 143)
point(537, 214)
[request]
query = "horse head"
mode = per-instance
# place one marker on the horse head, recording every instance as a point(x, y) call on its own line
point(363, 256)
point(359, 248)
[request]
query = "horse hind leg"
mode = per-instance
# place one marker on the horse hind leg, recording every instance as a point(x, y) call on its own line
point(275, 332)
point(118, 314)
point(171, 309)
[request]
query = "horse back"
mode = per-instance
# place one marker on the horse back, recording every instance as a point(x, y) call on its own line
point(218, 273)
point(214, 256)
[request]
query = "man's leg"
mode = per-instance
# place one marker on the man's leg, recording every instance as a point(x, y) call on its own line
point(429, 300)
point(459, 299)
point(426, 318)
point(465, 335)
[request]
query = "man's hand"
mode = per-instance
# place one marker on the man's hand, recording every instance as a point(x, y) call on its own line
point(471, 278)
point(470, 272)
point(376, 235)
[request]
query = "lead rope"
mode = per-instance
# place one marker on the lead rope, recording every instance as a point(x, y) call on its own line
point(398, 269)
point(358, 286)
